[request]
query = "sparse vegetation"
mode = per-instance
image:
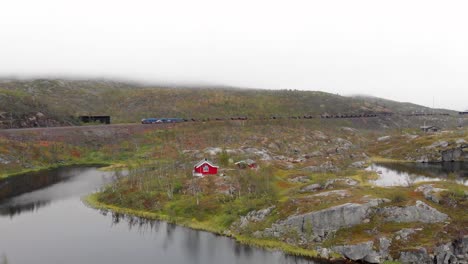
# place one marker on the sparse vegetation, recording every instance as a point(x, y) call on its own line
point(291, 154)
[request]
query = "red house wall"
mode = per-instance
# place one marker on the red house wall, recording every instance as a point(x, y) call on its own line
point(211, 169)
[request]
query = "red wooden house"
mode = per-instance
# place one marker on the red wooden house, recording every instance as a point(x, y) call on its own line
point(204, 167)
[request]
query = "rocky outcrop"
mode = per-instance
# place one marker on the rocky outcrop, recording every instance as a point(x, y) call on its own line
point(405, 233)
point(441, 151)
point(365, 251)
point(455, 252)
point(362, 251)
point(336, 193)
point(329, 184)
point(325, 167)
point(346, 181)
point(263, 154)
point(430, 193)
point(384, 138)
point(420, 212)
point(313, 154)
point(299, 179)
point(418, 256)
point(255, 216)
point(455, 154)
point(316, 226)
point(312, 188)
point(358, 164)
point(33, 119)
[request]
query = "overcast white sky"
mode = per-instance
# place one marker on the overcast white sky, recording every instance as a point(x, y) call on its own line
point(414, 51)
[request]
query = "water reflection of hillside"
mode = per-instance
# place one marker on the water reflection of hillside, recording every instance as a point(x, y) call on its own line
point(32, 191)
point(437, 170)
point(194, 241)
point(31, 181)
point(16, 209)
point(405, 174)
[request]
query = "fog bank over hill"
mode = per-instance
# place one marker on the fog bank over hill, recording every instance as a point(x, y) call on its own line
point(338, 46)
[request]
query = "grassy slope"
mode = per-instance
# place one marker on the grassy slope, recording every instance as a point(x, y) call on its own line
point(127, 102)
point(215, 212)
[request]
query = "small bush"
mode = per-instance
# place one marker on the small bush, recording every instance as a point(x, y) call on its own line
point(399, 197)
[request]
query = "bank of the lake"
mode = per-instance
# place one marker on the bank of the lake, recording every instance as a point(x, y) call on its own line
point(52, 223)
point(209, 226)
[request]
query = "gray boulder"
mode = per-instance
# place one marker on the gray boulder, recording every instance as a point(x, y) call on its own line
point(319, 224)
point(430, 193)
point(420, 212)
point(313, 154)
point(255, 216)
point(213, 150)
point(336, 193)
point(365, 251)
point(439, 144)
point(299, 179)
point(444, 254)
point(358, 164)
point(418, 256)
point(325, 167)
point(455, 154)
point(405, 233)
point(384, 138)
point(347, 181)
point(311, 188)
point(361, 251)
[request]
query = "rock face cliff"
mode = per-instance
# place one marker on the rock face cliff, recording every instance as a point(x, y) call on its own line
point(317, 226)
point(442, 151)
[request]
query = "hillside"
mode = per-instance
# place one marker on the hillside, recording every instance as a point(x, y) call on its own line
point(42, 102)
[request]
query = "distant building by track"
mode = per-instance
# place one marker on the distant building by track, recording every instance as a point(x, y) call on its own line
point(103, 119)
point(429, 129)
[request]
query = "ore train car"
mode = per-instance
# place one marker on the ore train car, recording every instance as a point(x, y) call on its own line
point(154, 120)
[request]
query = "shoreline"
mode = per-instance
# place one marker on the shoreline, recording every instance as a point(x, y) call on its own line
point(104, 166)
point(92, 202)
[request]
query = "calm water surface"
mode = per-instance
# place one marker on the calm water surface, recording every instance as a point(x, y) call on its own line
point(47, 223)
point(405, 174)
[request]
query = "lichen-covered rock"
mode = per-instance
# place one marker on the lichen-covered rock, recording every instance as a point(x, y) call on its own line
point(455, 154)
point(444, 254)
point(420, 212)
point(311, 188)
point(358, 164)
point(362, 251)
point(299, 179)
point(255, 216)
point(418, 256)
point(439, 144)
point(212, 151)
point(405, 233)
point(319, 224)
point(384, 138)
point(263, 154)
point(339, 193)
point(347, 181)
point(313, 154)
point(430, 193)
point(325, 167)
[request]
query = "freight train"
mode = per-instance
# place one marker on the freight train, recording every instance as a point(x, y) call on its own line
point(153, 120)
point(322, 116)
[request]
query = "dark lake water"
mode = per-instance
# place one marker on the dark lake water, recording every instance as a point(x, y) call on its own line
point(42, 220)
point(406, 173)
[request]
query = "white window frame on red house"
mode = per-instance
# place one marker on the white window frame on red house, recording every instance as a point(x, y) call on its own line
point(206, 168)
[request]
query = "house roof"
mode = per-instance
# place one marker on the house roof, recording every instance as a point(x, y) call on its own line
point(203, 161)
